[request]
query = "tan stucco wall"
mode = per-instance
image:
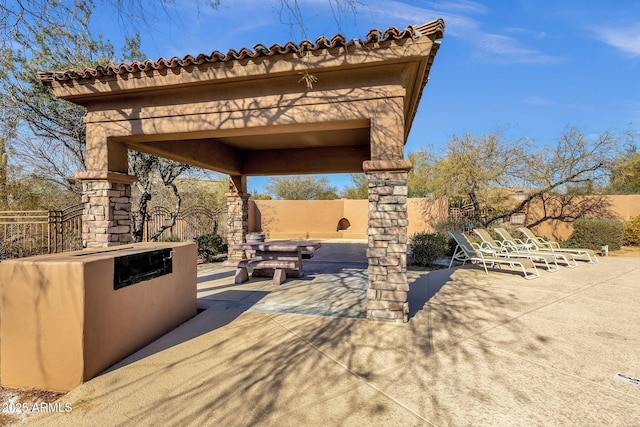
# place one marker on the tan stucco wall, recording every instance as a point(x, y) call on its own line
point(62, 322)
point(317, 219)
point(621, 207)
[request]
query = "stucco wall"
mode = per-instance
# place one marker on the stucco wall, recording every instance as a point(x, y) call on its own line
point(621, 207)
point(288, 219)
point(63, 323)
point(317, 219)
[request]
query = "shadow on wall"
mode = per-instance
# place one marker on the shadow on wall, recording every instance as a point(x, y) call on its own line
point(552, 215)
point(426, 213)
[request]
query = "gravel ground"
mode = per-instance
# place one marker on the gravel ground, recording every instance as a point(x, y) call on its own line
point(17, 404)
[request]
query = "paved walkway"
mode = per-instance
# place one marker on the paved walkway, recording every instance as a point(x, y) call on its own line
point(479, 350)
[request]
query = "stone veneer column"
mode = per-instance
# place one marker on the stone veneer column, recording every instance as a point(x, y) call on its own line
point(387, 234)
point(237, 215)
point(106, 218)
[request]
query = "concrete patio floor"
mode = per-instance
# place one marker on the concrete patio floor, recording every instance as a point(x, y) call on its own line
point(478, 351)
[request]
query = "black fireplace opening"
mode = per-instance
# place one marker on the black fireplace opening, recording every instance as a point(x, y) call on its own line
point(139, 267)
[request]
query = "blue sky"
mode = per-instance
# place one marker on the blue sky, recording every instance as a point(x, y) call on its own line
point(529, 68)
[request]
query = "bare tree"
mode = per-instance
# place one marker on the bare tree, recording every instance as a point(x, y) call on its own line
point(148, 168)
point(482, 168)
point(3, 174)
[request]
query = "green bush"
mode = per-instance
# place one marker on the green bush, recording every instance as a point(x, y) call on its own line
point(210, 245)
point(426, 248)
point(632, 232)
point(169, 238)
point(449, 224)
point(592, 233)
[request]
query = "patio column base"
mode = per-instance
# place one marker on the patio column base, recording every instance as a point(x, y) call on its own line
point(237, 215)
point(387, 294)
point(106, 218)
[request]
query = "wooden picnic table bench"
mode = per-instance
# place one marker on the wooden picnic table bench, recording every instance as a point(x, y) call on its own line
point(278, 259)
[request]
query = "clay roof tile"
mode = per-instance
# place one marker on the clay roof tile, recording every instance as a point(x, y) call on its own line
point(433, 28)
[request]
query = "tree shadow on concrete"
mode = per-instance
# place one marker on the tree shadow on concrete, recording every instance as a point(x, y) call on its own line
point(267, 368)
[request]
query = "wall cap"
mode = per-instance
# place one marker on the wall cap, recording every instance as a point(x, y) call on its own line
point(387, 165)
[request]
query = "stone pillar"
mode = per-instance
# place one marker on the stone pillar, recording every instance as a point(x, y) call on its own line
point(387, 247)
point(237, 214)
point(106, 218)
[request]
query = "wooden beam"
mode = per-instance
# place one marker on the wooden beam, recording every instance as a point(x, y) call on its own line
point(340, 159)
point(204, 153)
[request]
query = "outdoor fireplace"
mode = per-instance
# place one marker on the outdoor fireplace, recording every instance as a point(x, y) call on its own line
point(67, 317)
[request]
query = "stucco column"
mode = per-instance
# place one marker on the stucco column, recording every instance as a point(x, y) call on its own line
point(387, 240)
point(106, 218)
point(237, 214)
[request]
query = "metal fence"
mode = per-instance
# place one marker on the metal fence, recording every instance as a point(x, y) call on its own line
point(465, 216)
point(26, 233)
point(191, 222)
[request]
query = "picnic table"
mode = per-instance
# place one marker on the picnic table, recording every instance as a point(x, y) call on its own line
point(278, 259)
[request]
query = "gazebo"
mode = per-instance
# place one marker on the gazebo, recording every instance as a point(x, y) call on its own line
point(333, 106)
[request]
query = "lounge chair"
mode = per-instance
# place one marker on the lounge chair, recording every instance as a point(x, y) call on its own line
point(541, 243)
point(509, 251)
point(518, 245)
point(466, 251)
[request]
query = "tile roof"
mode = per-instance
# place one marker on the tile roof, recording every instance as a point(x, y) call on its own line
point(433, 28)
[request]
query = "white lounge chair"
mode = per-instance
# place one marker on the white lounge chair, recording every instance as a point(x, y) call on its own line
point(504, 249)
point(541, 243)
point(520, 246)
point(465, 251)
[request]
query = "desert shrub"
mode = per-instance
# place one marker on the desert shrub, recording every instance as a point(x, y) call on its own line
point(426, 248)
point(170, 238)
point(592, 233)
point(449, 224)
point(210, 245)
point(631, 235)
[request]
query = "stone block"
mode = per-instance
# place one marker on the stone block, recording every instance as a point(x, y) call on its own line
point(392, 199)
point(398, 306)
point(378, 305)
point(383, 315)
point(391, 207)
point(101, 238)
point(371, 294)
point(396, 269)
point(120, 229)
point(123, 200)
point(391, 295)
point(102, 224)
point(376, 269)
point(384, 190)
point(388, 261)
point(401, 190)
point(400, 248)
point(376, 252)
point(100, 185)
point(97, 211)
point(382, 285)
